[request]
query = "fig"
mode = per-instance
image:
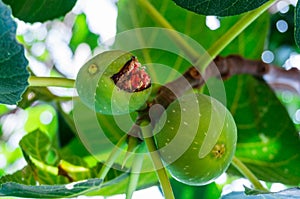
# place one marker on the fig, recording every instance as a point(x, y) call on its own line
point(196, 138)
point(113, 83)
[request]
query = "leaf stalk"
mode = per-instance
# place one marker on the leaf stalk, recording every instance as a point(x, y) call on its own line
point(51, 81)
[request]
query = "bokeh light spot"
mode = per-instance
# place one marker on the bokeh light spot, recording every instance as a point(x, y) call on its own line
point(281, 26)
point(46, 117)
point(267, 56)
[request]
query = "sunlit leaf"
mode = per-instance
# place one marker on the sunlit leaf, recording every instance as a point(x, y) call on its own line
point(82, 34)
point(3, 109)
point(13, 73)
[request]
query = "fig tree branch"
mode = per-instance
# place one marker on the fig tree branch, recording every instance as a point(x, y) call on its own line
point(226, 67)
point(276, 77)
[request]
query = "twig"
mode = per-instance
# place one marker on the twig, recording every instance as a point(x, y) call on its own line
point(157, 163)
point(275, 76)
point(243, 169)
point(51, 81)
point(226, 67)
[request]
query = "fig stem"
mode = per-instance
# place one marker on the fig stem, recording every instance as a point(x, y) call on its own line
point(117, 150)
point(157, 163)
point(135, 171)
point(51, 81)
point(245, 171)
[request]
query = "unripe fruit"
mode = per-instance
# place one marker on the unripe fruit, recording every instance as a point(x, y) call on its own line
point(196, 139)
point(113, 83)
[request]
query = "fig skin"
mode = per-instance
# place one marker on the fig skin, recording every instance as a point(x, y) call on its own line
point(97, 89)
point(196, 138)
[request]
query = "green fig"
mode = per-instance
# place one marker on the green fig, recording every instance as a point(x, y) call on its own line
point(196, 139)
point(113, 83)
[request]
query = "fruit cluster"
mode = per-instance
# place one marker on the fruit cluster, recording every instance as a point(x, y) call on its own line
point(196, 136)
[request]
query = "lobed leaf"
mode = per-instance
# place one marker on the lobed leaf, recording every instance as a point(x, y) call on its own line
point(13, 73)
point(268, 142)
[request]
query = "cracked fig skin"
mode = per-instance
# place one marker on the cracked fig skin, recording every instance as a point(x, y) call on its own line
point(196, 138)
point(113, 83)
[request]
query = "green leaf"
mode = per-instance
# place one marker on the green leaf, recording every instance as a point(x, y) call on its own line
point(132, 15)
point(36, 145)
point(38, 152)
point(66, 129)
point(115, 126)
point(250, 43)
point(53, 191)
point(41, 157)
point(13, 73)
point(182, 191)
point(292, 193)
point(268, 142)
point(3, 109)
point(82, 34)
point(219, 7)
point(297, 24)
point(145, 180)
point(39, 11)
point(23, 176)
point(264, 125)
point(75, 147)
